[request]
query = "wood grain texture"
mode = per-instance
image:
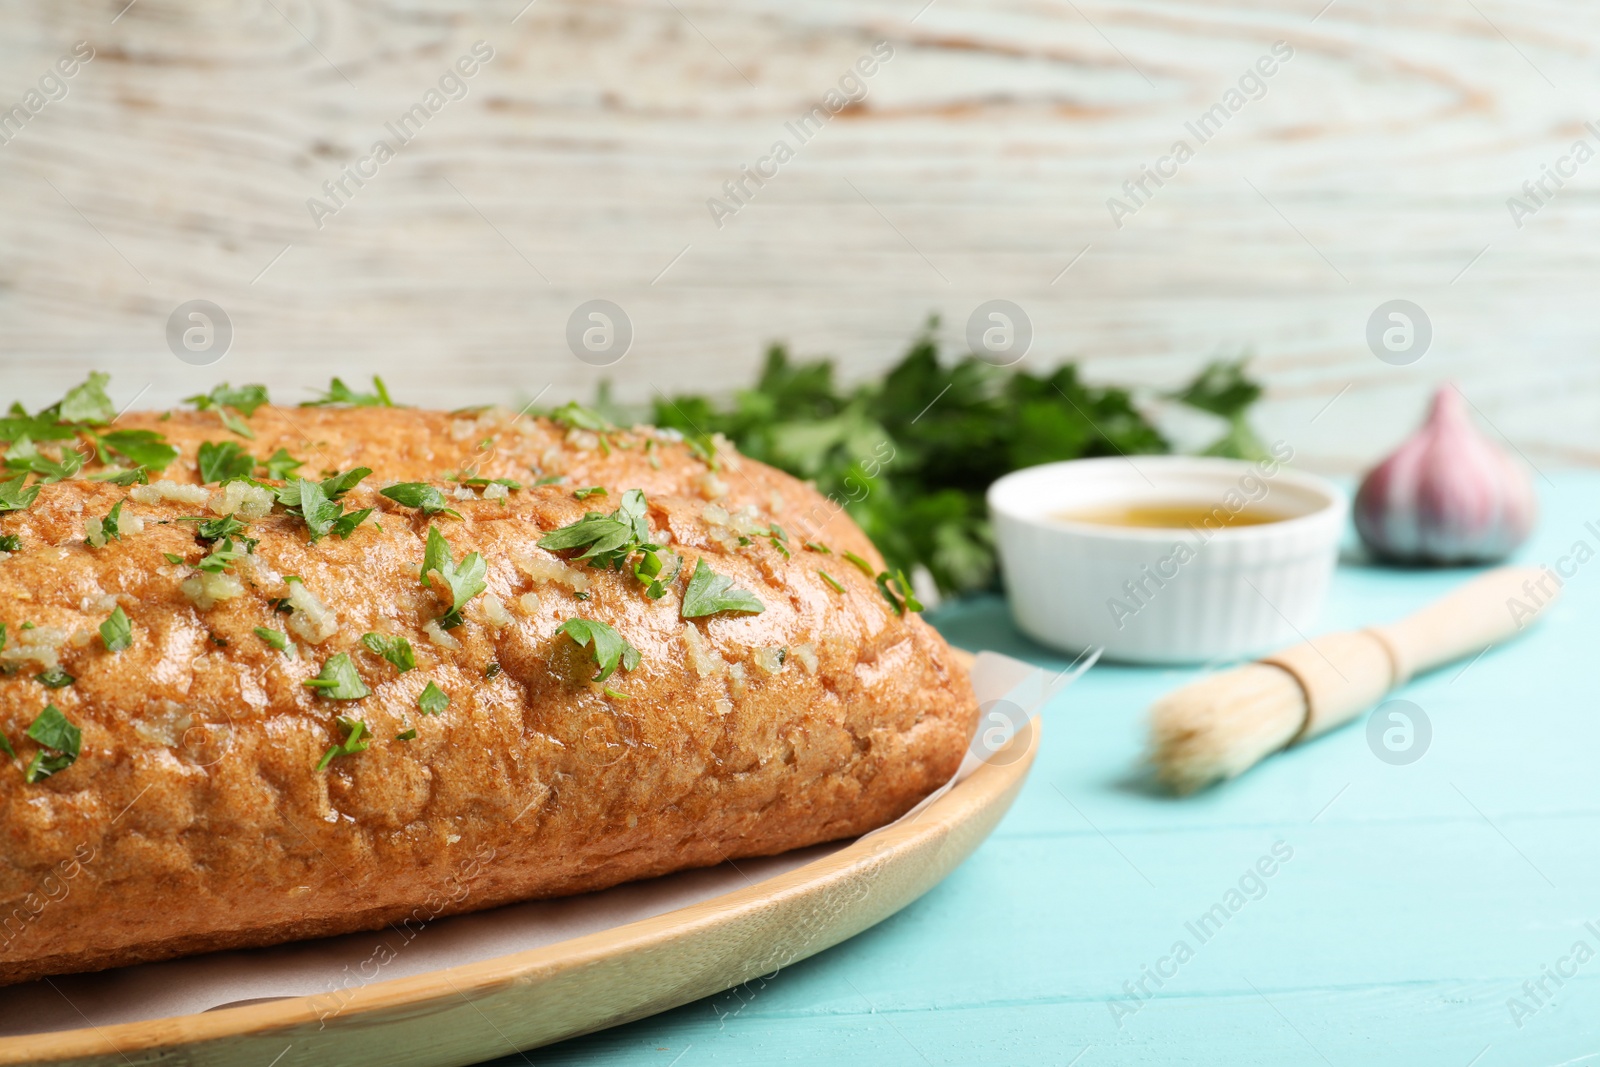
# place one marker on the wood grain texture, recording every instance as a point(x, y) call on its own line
point(1377, 165)
point(459, 1015)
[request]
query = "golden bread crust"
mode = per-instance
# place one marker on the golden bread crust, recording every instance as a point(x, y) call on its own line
point(195, 817)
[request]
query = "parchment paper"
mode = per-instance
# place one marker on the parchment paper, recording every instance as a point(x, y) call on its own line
point(1009, 691)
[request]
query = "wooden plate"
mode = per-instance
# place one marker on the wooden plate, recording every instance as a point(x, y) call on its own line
point(471, 1013)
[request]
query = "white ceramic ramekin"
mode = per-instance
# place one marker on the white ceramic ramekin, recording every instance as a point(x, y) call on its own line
point(1166, 596)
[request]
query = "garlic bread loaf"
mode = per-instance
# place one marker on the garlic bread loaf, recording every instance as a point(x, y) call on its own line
point(310, 700)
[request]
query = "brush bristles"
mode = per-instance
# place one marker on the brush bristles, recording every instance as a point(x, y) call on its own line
point(1223, 724)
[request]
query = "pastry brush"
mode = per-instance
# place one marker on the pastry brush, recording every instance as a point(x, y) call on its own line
point(1225, 723)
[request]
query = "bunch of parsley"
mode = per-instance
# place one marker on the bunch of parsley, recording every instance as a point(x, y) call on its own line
point(910, 455)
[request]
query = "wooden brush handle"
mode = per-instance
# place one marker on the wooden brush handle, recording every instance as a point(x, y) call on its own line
point(1345, 674)
point(1483, 612)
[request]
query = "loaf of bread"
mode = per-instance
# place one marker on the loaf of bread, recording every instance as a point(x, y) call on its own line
point(251, 711)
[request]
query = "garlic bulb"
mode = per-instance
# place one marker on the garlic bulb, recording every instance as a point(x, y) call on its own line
point(1447, 495)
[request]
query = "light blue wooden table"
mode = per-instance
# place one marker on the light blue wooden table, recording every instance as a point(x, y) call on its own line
point(1417, 901)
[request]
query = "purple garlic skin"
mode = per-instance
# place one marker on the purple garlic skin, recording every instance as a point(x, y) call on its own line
point(1448, 495)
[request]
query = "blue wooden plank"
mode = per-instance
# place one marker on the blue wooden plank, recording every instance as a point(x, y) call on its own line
point(1417, 902)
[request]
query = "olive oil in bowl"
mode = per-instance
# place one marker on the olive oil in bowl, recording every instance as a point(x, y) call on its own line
point(1172, 516)
point(1169, 561)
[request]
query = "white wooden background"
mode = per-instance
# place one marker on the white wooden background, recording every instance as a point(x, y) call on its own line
point(1377, 166)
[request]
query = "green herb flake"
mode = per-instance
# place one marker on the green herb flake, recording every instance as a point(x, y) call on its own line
point(346, 524)
point(492, 671)
point(549, 479)
point(610, 540)
point(111, 525)
point(420, 495)
point(88, 402)
point(245, 399)
point(61, 743)
point(24, 456)
point(575, 416)
point(318, 503)
point(234, 424)
point(339, 679)
point(409, 735)
point(5, 746)
point(480, 483)
point(211, 530)
point(610, 648)
point(276, 638)
point(142, 448)
point(281, 466)
point(341, 395)
point(831, 580)
point(10, 543)
point(52, 730)
point(13, 497)
point(117, 631)
point(44, 426)
point(121, 476)
point(817, 546)
point(354, 741)
point(704, 448)
point(709, 593)
point(54, 678)
point(596, 534)
point(317, 510)
point(223, 461)
point(614, 694)
point(861, 564)
point(46, 763)
point(221, 558)
point(172, 557)
point(333, 487)
point(465, 580)
point(337, 485)
point(649, 571)
point(896, 589)
point(585, 494)
point(432, 700)
point(397, 650)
